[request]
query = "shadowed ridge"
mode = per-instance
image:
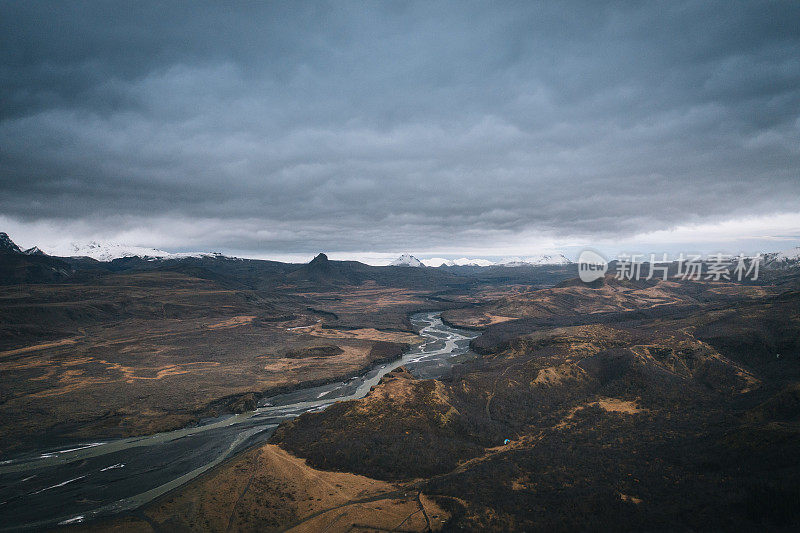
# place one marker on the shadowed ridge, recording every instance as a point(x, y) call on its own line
point(17, 266)
point(7, 245)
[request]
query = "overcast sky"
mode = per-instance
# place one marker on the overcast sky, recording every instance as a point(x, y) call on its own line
point(371, 128)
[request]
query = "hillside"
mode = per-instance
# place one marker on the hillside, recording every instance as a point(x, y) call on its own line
point(665, 422)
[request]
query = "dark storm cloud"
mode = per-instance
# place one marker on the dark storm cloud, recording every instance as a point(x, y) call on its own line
point(296, 126)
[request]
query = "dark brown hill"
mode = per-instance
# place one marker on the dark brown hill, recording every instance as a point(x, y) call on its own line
point(19, 267)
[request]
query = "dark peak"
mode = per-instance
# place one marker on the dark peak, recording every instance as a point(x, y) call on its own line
point(319, 266)
point(7, 245)
point(321, 259)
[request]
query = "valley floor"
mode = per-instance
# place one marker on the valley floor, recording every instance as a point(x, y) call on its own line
point(681, 416)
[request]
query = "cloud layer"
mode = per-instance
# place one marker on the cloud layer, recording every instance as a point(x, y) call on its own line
point(297, 127)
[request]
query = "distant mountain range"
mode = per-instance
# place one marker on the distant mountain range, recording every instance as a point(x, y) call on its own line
point(537, 260)
point(109, 251)
point(106, 252)
point(463, 261)
point(786, 259)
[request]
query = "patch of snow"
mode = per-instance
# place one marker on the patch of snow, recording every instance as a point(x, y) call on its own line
point(299, 327)
point(512, 261)
point(542, 259)
point(536, 260)
point(465, 261)
point(82, 447)
point(57, 485)
point(437, 262)
point(74, 520)
point(788, 256)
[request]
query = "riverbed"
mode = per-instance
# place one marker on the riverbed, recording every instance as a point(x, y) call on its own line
point(100, 478)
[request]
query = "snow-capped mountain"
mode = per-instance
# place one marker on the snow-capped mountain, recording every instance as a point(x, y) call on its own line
point(407, 260)
point(437, 262)
point(785, 259)
point(466, 261)
point(463, 261)
point(788, 255)
point(34, 251)
point(108, 251)
point(536, 260)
